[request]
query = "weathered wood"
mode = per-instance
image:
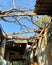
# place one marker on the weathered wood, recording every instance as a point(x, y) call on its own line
point(24, 32)
point(21, 41)
point(43, 7)
point(2, 51)
point(20, 14)
point(20, 37)
point(41, 49)
point(49, 44)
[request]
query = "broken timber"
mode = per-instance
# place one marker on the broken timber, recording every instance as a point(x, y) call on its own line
point(2, 47)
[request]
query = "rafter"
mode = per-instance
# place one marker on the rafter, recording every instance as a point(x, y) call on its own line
point(19, 14)
point(24, 32)
point(20, 37)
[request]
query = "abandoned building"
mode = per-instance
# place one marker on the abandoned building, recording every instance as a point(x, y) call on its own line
point(35, 50)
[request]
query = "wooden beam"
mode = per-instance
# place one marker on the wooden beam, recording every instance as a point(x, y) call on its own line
point(24, 32)
point(9, 36)
point(20, 37)
point(21, 41)
point(20, 14)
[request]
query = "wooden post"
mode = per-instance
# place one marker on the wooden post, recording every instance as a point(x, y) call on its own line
point(7, 57)
point(2, 51)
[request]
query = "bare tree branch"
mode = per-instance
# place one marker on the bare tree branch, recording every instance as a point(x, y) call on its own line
point(7, 20)
point(17, 21)
point(32, 19)
point(13, 12)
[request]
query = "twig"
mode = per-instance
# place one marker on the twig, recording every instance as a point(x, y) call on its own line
point(7, 20)
point(19, 23)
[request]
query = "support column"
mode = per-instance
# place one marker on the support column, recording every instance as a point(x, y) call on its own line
point(7, 57)
point(2, 50)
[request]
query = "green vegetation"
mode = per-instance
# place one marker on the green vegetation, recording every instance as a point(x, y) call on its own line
point(18, 63)
point(42, 21)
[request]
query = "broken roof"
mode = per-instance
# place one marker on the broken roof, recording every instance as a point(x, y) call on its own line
point(43, 7)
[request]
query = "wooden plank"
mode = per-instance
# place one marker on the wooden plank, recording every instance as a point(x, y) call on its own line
point(20, 41)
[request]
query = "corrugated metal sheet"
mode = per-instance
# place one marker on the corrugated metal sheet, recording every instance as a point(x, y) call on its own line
point(43, 7)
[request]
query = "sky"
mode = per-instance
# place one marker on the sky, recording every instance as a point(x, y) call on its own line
point(20, 4)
